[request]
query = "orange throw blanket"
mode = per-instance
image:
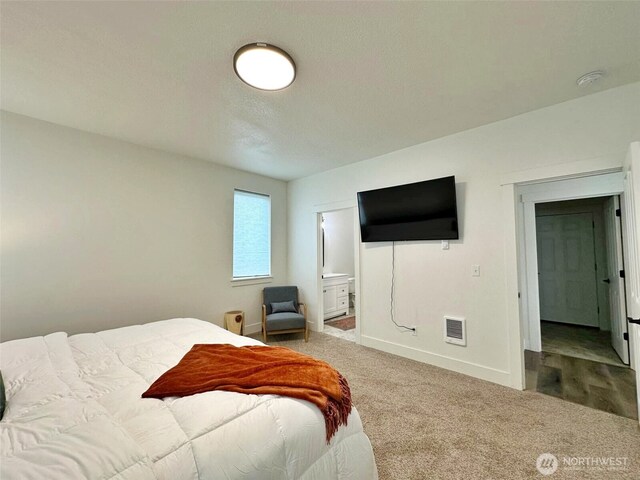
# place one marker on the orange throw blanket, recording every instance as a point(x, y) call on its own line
point(259, 370)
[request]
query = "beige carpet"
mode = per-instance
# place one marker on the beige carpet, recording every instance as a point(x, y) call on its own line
point(428, 423)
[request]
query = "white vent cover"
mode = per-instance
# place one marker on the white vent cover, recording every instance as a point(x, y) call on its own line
point(455, 330)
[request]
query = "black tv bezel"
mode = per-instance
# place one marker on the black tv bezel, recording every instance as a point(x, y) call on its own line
point(399, 187)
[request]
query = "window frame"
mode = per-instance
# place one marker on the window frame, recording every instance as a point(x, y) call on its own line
point(251, 279)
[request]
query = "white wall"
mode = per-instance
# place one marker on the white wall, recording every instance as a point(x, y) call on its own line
point(431, 282)
point(99, 233)
point(338, 242)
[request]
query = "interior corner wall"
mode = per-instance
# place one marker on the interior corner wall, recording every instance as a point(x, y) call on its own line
point(431, 282)
point(98, 233)
point(338, 242)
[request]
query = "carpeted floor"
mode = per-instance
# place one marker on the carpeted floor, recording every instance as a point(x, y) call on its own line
point(428, 423)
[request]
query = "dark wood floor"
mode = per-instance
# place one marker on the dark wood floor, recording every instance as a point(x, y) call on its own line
point(589, 343)
point(594, 384)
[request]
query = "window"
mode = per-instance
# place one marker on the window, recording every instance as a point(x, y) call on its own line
point(251, 235)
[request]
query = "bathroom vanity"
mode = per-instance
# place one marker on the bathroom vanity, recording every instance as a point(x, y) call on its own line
point(335, 291)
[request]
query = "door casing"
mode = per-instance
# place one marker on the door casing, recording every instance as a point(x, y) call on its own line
point(528, 196)
point(318, 325)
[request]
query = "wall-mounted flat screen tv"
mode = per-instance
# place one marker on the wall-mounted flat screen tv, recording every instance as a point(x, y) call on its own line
point(415, 211)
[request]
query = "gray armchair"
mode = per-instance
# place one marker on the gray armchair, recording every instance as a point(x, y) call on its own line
point(282, 313)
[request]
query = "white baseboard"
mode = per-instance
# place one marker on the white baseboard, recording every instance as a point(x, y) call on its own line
point(252, 328)
point(257, 328)
point(500, 377)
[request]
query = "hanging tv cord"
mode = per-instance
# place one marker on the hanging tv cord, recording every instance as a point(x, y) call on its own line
point(393, 274)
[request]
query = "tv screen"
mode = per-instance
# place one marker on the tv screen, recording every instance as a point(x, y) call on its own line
point(415, 211)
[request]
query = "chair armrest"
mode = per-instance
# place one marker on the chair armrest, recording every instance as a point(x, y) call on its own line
point(302, 308)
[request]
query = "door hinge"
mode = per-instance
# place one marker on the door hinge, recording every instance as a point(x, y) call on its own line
point(625, 336)
point(621, 273)
point(596, 265)
point(618, 212)
point(598, 309)
point(633, 320)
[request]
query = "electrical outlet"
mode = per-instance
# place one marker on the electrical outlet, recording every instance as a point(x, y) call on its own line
point(415, 331)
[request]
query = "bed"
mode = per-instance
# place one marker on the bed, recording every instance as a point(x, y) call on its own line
point(74, 411)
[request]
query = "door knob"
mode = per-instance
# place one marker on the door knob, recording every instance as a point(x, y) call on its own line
point(606, 280)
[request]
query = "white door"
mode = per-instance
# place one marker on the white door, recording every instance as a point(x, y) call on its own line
point(566, 269)
point(616, 283)
point(631, 237)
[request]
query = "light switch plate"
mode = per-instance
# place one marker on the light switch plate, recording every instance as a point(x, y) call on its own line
point(475, 270)
point(445, 244)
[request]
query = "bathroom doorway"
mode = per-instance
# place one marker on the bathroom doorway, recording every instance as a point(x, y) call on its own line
point(338, 274)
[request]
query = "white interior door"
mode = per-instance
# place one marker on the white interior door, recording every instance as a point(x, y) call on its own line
point(566, 269)
point(616, 283)
point(631, 237)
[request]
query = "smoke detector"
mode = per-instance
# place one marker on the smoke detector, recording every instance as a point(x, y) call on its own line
point(589, 78)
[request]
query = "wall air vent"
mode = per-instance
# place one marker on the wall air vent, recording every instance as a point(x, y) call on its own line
point(455, 331)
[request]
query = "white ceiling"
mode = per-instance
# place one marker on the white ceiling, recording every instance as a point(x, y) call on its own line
point(372, 77)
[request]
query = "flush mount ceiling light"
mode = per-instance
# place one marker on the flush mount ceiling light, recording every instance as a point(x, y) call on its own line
point(589, 78)
point(264, 66)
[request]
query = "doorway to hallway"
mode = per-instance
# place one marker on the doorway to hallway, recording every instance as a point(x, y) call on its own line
point(579, 260)
point(579, 256)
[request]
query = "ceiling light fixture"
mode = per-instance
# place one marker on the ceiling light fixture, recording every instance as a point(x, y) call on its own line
point(264, 66)
point(589, 78)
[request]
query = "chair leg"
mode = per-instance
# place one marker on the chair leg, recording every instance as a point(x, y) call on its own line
point(306, 333)
point(264, 335)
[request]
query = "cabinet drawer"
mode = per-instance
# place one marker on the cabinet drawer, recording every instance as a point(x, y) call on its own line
point(343, 302)
point(343, 290)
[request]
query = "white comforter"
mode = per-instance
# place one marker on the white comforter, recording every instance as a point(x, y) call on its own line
point(74, 411)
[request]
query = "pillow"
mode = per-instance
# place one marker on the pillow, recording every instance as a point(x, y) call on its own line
point(3, 398)
point(282, 307)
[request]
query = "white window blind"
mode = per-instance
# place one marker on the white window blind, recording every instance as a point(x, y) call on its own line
point(251, 234)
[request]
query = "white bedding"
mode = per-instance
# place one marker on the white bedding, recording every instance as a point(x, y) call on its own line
point(74, 411)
